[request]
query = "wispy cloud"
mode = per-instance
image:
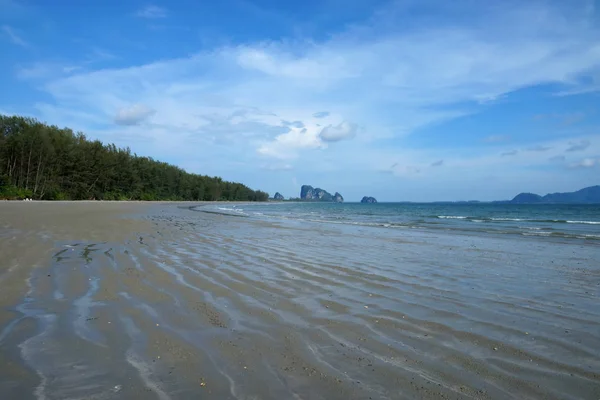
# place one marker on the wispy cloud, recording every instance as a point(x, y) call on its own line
point(45, 70)
point(35, 71)
point(497, 138)
point(438, 163)
point(578, 146)
point(14, 37)
point(321, 114)
point(391, 79)
point(12, 8)
point(586, 163)
point(564, 118)
point(277, 167)
point(152, 12)
point(539, 148)
point(133, 115)
point(98, 54)
point(592, 85)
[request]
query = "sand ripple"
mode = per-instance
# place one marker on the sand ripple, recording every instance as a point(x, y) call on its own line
point(245, 309)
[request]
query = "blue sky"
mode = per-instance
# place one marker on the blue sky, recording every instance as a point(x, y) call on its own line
point(401, 100)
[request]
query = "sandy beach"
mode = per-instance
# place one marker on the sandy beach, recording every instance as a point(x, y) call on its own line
point(111, 300)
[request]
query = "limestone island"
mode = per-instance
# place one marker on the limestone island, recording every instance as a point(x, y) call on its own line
point(308, 193)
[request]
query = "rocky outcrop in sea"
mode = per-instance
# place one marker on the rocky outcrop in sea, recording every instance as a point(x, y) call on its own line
point(368, 199)
point(308, 193)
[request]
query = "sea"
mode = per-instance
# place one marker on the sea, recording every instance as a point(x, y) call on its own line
point(560, 221)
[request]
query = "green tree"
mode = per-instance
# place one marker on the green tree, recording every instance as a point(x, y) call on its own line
point(47, 162)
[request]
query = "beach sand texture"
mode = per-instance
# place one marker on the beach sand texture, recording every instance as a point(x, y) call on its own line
point(102, 300)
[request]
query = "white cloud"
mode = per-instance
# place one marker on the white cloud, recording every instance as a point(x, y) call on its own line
point(391, 79)
point(286, 145)
point(152, 12)
point(277, 60)
point(133, 115)
point(586, 163)
point(343, 131)
point(406, 79)
point(14, 37)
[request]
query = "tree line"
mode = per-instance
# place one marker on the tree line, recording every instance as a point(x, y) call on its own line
point(45, 162)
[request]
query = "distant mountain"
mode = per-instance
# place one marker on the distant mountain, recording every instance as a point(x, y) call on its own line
point(368, 199)
point(527, 198)
point(278, 196)
point(588, 195)
point(308, 193)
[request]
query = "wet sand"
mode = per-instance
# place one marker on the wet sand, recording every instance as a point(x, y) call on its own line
point(148, 300)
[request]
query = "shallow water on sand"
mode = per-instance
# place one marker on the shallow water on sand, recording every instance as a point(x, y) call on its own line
point(240, 308)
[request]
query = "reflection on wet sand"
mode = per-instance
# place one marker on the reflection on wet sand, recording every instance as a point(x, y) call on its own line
point(196, 304)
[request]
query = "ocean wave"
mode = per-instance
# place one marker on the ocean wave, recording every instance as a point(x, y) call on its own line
point(562, 235)
point(538, 233)
point(497, 225)
point(360, 223)
point(525, 231)
point(590, 236)
point(239, 211)
point(506, 219)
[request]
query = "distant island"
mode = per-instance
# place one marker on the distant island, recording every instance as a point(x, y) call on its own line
point(588, 195)
point(278, 197)
point(308, 193)
point(43, 162)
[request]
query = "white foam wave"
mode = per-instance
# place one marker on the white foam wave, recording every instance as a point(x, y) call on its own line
point(539, 233)
point(239, 210)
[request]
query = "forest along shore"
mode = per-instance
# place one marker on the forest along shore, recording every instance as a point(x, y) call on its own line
point(49, 163)
point(157, 300)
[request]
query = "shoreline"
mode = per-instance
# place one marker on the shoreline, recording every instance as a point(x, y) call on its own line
point(152, 300)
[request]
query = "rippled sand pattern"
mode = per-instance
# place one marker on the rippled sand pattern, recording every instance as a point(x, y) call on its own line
point(199, 305)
